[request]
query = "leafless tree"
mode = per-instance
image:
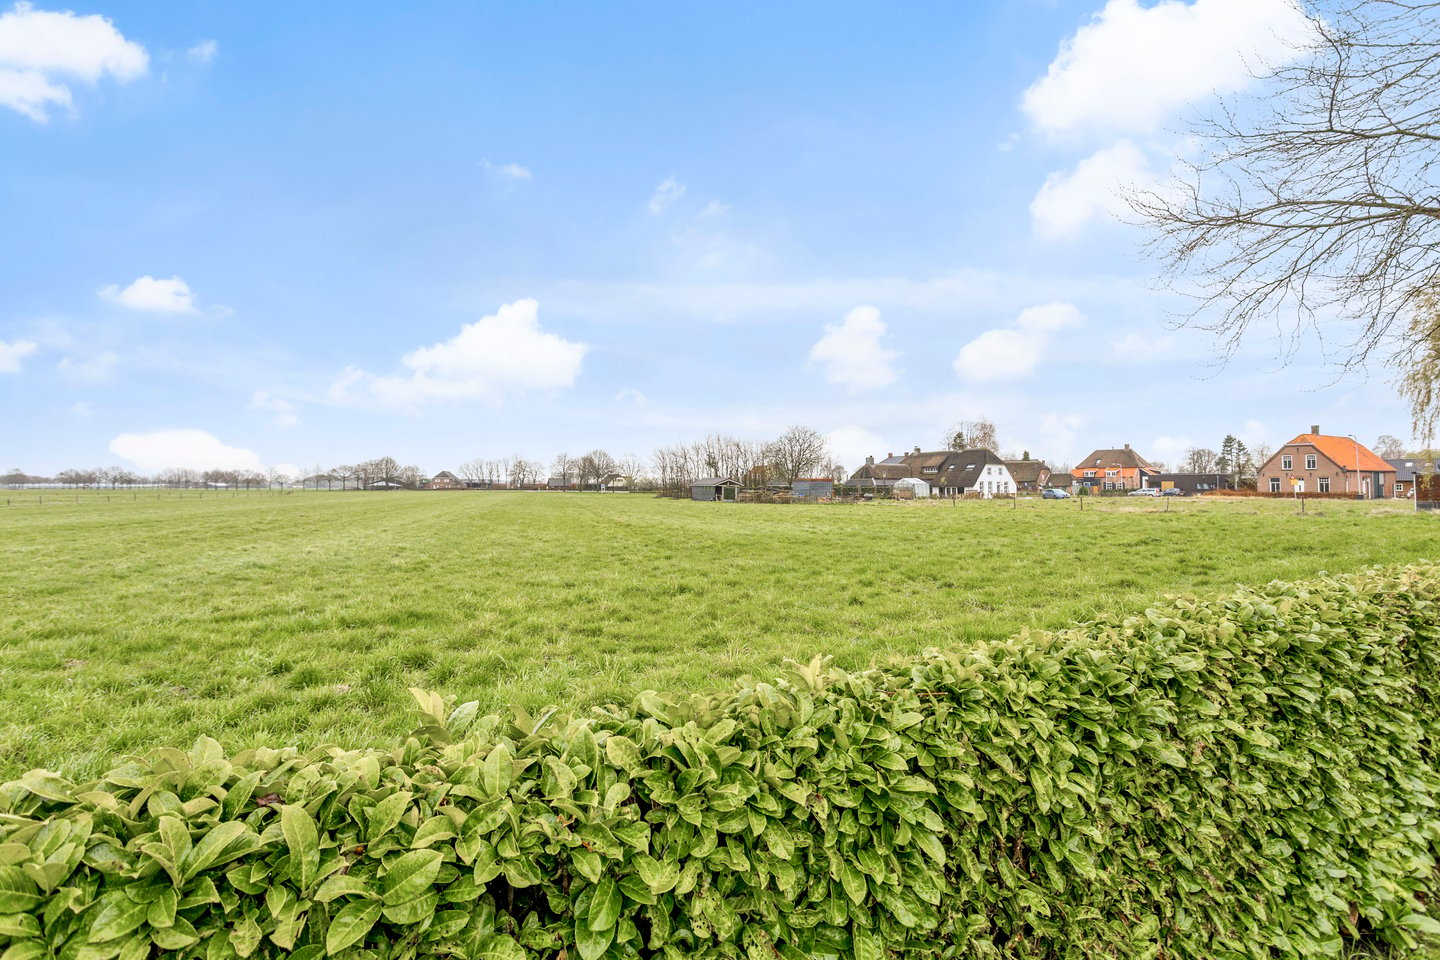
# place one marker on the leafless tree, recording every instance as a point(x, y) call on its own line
point(1388, 447)
point(564, 468)
point(973, 435)
point(1199, 460)
point(1317, 199)
point(797, 452)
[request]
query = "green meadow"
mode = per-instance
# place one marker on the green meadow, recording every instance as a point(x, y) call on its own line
point(302, 618)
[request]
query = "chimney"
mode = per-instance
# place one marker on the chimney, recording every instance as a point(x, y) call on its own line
point(869, 461)
point(1127, 446)
point(1315, 428)
point(917, 449)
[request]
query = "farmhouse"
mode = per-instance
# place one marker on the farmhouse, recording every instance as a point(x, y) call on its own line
point(615, 482)
point(1029, 475)
point(715, 488)
point(1062, 480)
point(1122, 469)
point(445, 480)
point(879, 477)
point(950, 473)
point(1411, 472)
point(1319, 463)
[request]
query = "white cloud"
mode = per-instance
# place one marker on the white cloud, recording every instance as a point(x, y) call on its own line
point(96, 369)
point(631, 395)
point(81, 409)
point(1069, 200)
point(851, 353)
point(1138, 348)
point(1012, 352)
point(714, 209)
point(41, 48)
point(1168, 450)
point(184, 449)
point(149, 294)
point(1133, 65)
point(851, 445)
point(12, 353)
point(487, 359)
point(284, 410)
point(203, 52)
point(665, 194)
point(508, 171)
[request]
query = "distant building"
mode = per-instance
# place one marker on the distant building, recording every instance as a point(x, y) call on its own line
point(615, 482)
point(1192, 483)
point(950, 473)
point(816, 488)
point(1062, 480)
point(910, 488)
point(1029, 475)
point(1122, 469)
point(1410, 473)
point(715, 489)
point(445, 480)
point(1320, 463)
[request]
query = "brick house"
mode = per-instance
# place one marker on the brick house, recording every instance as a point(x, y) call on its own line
point(1409, 472)
point(1122, 469)
point(1319, 463)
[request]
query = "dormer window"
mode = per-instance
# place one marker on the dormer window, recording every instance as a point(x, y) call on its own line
point(930, 470)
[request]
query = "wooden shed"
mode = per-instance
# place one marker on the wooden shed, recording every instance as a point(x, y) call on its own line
point(715, 488)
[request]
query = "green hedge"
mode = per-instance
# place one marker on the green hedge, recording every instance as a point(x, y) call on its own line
point(1252, 776)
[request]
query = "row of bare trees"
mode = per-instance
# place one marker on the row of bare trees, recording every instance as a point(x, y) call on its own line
point(798, 452)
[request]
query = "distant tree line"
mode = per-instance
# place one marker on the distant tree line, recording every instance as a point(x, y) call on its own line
point(798, 453)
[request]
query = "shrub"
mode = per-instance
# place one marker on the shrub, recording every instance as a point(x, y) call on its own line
point(1246, 777)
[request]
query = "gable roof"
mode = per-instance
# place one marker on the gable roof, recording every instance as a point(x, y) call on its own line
point(1408, 467)
point(1027, 471)
point(714, 482)
point(444, 475)
point(1345, 453)
point(880, 472)
point(1123, 457)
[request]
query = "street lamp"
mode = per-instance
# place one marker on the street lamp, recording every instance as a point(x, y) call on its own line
point(1357, 466)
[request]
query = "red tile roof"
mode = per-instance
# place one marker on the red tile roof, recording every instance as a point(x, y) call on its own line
point(1344, 452)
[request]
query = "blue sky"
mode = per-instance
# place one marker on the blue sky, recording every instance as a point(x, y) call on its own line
point(295, 235)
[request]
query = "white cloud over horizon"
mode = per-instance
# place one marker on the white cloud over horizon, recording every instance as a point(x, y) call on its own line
point(850, 445)
point(665, 194)
point(283, 409)
point(182, 449)
point(93, 369)
point(41, 49)
point(851, 352)
point(1132, 65)
point(1130, 69)
point(13, 353)
point(508, 171)
point(149, 294)
point(203, 52)
point(1094, 188)
point(1008, 353)
point(502, 353)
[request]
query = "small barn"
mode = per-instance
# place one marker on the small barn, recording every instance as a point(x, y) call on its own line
point(910, 488)
point(813, 488)
point(715, 489)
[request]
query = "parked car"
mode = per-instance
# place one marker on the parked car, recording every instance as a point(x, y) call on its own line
point(1146, 492)
point(1055, 493)
point(1173, 492)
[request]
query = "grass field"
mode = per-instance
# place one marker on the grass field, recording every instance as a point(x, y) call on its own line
point(303, 618)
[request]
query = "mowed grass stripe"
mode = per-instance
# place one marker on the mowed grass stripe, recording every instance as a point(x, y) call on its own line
point(303, 618)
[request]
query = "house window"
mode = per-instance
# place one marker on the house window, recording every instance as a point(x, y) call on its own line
point(1274, 484)
point(1089, 473)
point(1309, 461)
point(1109, 485)
point(1324, 484)
point(930, 469)
point(1287, 463)
point(1112, 473)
